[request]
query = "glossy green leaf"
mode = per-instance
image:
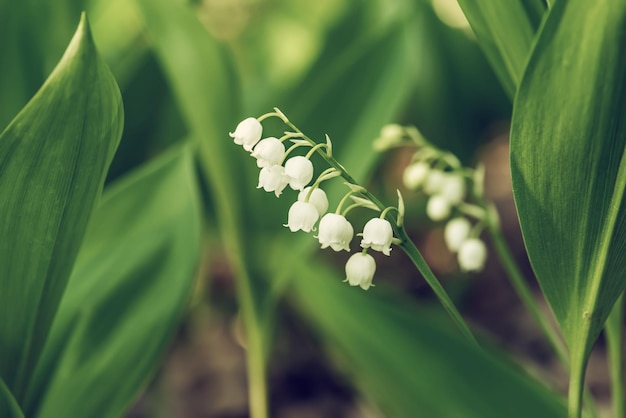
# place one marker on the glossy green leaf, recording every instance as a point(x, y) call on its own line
point(132, 279)
point(409, 365)
point(568, 139)
point(53, 159)
point(505, 31)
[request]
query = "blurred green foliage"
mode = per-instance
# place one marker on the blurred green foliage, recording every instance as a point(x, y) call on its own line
point(188, 72)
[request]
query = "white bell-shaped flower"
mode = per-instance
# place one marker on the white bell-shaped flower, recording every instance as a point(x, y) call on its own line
point(438, 208)
point(472, 255)
point(335, 232)
point(377, 235)
point(456, 232)
point(299, 172)
point(247, 133)
point(360, 270)
point(272, 179)
point(434, 182)
point(318, 198)
point(453, 188)
point(302, 216)
point(415, 174)
point(270, 151)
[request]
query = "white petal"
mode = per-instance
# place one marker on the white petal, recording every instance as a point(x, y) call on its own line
point(455, 232)
point(272, 179)
point(302, 216)
point(434, 181)
point(270, 151)
point(453, 188)
point(438, 208)
point(360, 270)
point(318, 198)
point(299, 170)
point(247, 133)
point(472, 255)
point(415, 174)
point(335, 231)
point(377, 234)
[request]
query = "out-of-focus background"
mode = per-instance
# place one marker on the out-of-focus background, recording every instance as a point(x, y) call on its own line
point(341, 67)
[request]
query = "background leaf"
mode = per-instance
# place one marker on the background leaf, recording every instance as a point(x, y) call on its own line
point(132, 278)
point(568, 139)
point(8, 404)
point(383, 342)
point(505, 31)
point(374, 67)
point(53, 159)
point(195, 62)
point(33, 36)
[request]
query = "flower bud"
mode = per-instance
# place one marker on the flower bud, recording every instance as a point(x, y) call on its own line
point(247, 133)
point(335, 232)
point(270, 151)
point(438, 208)
point(472, 255)
point(272, 179)
point(360, 270)
point(377, 235)
point(390, 135)
point(302, 216)
point(299, 172)
point(455, 232)
point(453, 188)
point(434, 181)
point(415, 175)
point(318, 198)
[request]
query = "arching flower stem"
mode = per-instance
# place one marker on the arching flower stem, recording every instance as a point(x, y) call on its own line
point(354, 206)
point(291, 149)
point(327, 174)
point(405, 242)
point(276, 113)
point(343, 201)
point(315, 149)
point(289, 135)
point(384, 213)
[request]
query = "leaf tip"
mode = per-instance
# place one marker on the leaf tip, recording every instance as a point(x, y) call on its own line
point(82, 42)
point(83, 31)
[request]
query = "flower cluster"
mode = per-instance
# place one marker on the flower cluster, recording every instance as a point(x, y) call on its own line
point(310, 208)
point(441, 176)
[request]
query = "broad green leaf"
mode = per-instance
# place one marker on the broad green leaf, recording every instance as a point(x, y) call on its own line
point(568, 140)
point(505, 31)
point(53, 159)
point(9, 407)
point(404, 361)
point(132, 279)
